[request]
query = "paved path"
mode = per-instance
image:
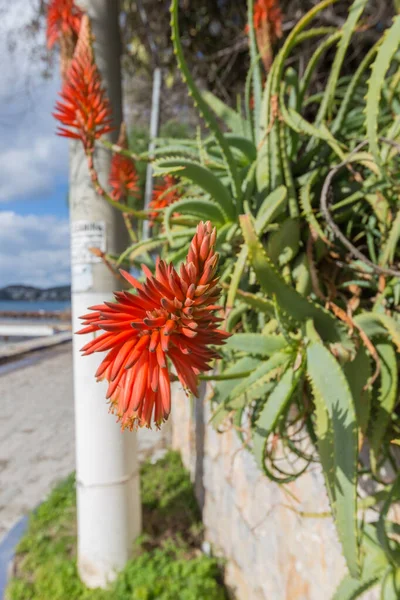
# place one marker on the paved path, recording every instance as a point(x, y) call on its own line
point(37, 432)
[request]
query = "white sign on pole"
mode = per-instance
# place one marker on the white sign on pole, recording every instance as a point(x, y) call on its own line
point(86, 235)
point(82, 278)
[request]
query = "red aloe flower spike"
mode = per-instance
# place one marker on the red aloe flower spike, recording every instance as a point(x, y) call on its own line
point(142, 331)
point(123, 180)
point(164, 194)
point(84, 110)
point(63, 19)
point(63, 24)
point(267, 20)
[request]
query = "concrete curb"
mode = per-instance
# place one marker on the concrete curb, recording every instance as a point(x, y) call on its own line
point(7, 551)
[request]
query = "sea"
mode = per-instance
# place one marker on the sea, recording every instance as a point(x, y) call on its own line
point(24, 306)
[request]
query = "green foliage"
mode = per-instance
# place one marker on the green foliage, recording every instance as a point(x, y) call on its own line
point(376, 83)
point(272, 410)
point(138, 143)
point(201, 177)
point(166, 489)
point(338, 437)
point(167, 574)
point(301, 181)
point(166, 563)
point(201, 103)
point(386, 395)
point(257, 344)
point(288, 299)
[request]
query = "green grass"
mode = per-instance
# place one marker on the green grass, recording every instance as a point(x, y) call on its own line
point(166, 564)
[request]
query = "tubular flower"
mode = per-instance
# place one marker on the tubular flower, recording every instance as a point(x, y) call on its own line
point(123, 180)
point(63, 24)
point(164, 194)
point(84, 110)
point(267, 20)
point(170, 318)
point(63, 20)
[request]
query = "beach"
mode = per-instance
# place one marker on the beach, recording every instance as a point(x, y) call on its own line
point(37, 431)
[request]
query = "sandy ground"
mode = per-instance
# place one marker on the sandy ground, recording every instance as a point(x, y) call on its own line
point(37, 432)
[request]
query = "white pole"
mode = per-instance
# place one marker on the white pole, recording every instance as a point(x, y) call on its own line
point(154, 122)
point(108, 494)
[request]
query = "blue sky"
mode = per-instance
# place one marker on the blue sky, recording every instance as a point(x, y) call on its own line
point(34, 233)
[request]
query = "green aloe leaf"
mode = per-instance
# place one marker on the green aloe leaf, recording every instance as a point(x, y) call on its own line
point(267, 124)
point(256, 343)
point(354, 14)
point(242, 144)
point(387, 395)
point(301, 275)
point(272, 410)
point(390, 546)
point(391, 584)
point(144, 246)
point(255, 68)
point(283, 244)
point(273, 205)
point(358, 372)
point(392, 134)
point(198, 207)
point(230, 117)
point(202, 177)
point(312, 63)
point(306, 203)
point(391, 245)
point(290, 301)
point(201, 103)
point(222, 389)
point(379, 324)
point(374, 566)
point(334, 402)
point(295, 121)
point(380, 67)
point(257, 303)
point(236, 277)
point(265, 372)
point(352, 88)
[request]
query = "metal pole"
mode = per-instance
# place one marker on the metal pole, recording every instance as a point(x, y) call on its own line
point(108, 493)
point(154, 123)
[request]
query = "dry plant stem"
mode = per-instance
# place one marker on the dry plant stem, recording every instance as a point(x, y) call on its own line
point(103, 256)
point(139, 214)
point(324, 205)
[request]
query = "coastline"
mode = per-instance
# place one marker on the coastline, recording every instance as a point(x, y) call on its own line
point(42, 314)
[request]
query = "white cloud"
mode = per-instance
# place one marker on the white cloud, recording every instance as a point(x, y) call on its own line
point(32, 157)
point(33, 160)
point(31, 170)
point(34, 250)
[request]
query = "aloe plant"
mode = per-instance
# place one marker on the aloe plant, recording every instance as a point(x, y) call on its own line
point(303, 189)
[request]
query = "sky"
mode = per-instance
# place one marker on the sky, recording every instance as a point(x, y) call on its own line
point(34, 231)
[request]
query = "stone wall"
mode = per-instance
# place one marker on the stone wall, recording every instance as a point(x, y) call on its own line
point(272, 552)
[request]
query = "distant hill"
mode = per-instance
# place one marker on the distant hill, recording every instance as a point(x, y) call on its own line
point(28, 293)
